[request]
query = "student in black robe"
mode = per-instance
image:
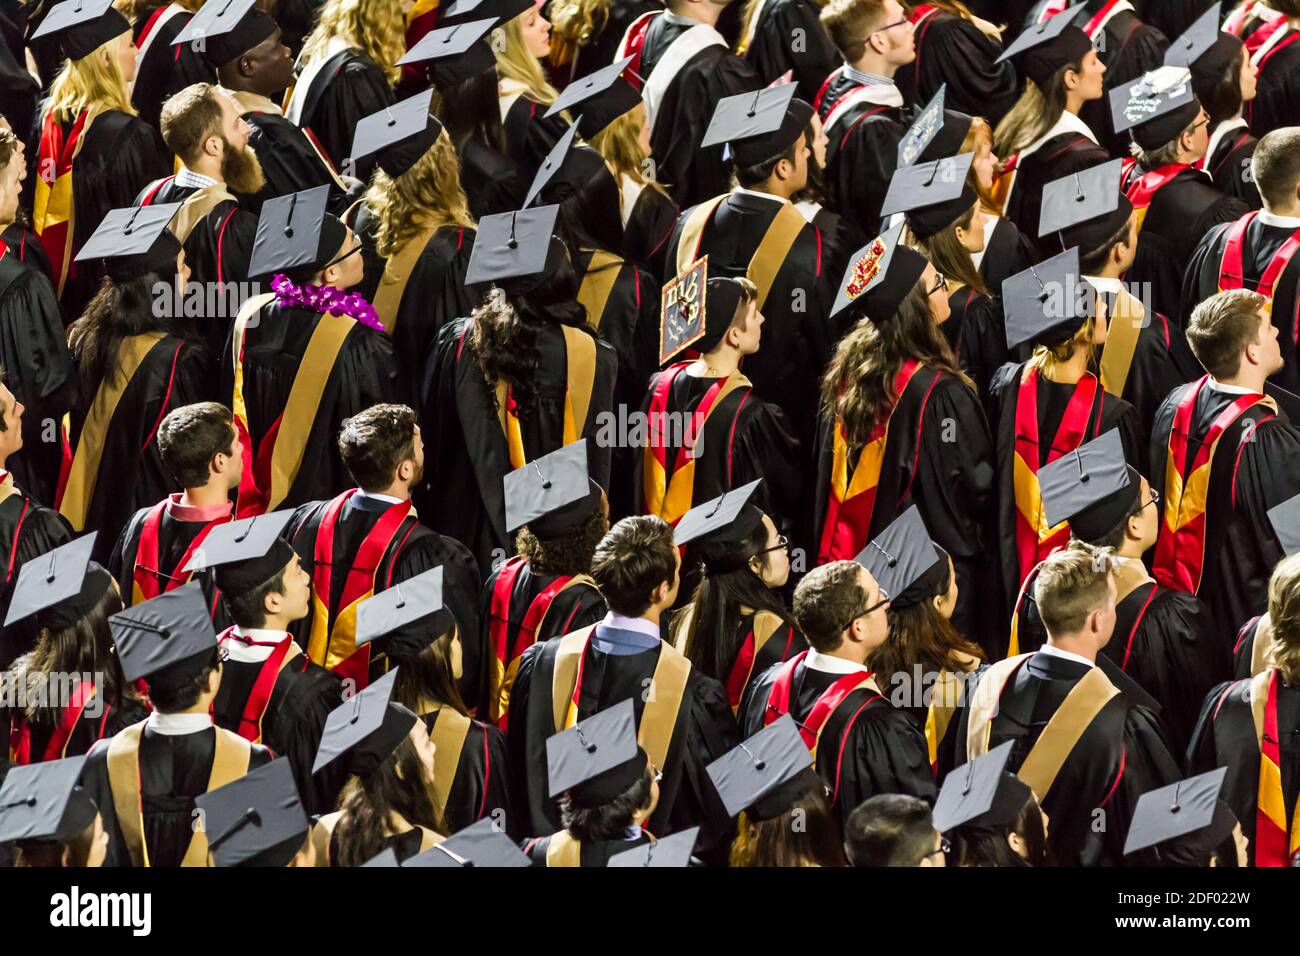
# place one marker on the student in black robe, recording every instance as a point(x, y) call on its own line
point(179, 752)
point(370, 538)
point(1215, 538)
point(698, 71)
point(19, 90)
point(586, 34)
point(768, 44)
point(310, 337)
point(956, 49)
point(1271, 31)
point(1250, 652)
point(1257, 252)
point(864, 746)
point(1171, 17)
point(1121, 751)
point(164, 67)
point(682, 728)
point(524, 95)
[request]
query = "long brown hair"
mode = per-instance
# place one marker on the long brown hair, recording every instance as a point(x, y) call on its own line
point(919, 634)
point(779, 842)
point(947, 253)
point(398, 785)
point(1033, 114)
point(429, 677)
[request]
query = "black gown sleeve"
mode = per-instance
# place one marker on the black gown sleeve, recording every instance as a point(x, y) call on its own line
point(789, 36)
point(957, 53)
point(358, 90)
point(710, 733)
point(889, 756)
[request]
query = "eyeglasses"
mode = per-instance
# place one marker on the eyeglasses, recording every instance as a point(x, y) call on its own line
point(890, 26)
point(1155, 499)
point(782, 544)
point(884, 599)
point(945, 848)
point(939, 286)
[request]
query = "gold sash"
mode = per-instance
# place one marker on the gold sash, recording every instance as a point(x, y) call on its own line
point(448, 736)
point(397, 273)
point(323, 831)
point(580, 349)
point(563, 850)
point(1123, 330)
point(598, 284)
point(768, 258)
point(196, 207)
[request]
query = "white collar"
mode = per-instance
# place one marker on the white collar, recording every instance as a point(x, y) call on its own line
point(190, 179)
point(867, 79)
point(1273, 219)
point(1216, 137)
point(630, 193)
point(1231, 389)
point(832, 665)
point(252, 646)
point(1067, 123)
point(1104, 284)
point(809, 209)
point(1067, 655)
point(177, 725)
point(761, 195)
point(678, 19)
point(378, 497)
point(638, 624)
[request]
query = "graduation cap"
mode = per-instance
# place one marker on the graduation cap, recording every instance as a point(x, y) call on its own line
point(981, 794)
point(135, 241)
point(246, 553)
point(45, 801)
point(367, 728)
point(1043, 304)
point(601, 97)
point(1086, 208)
point(674, 850)
point(400, 133)
point(935, 133)
point(227, 29)
point(83, 26)
point(406, 616)
point(256, 820)
point(455, 53)
point(503, 10)
point(551, 166)
point(54, 579)
point(1091, 487)
point(1155, 107)
point(1285, 519)
point(932, 195)
point(1204, 48)
point(765, 774)
point(879, 277)
point(296, 235)
point(899, 555)
point(386, 857)
point(1042, 50)
point(1189, 811)
point(724, 513)
point(512, 245)
point(480, 844)
point(758, 126)
point(553, 494)
point(596, 759)
point(168, 638)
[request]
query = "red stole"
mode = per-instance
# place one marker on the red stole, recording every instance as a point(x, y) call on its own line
point(1232, 268)
point(1142, 190)
point(250, 719)
point(150, 580)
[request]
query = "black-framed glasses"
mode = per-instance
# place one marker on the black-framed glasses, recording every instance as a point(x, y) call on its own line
point(884, 599)
point(945, 847)
point(782, 544)
point(890, 26)
point(940, 286)
point(1154, 500)
point(356, 247)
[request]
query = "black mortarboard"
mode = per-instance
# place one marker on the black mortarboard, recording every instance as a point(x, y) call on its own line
point(1042, 50)
point(226, 29)
point(1182, 809)
point(1087, 208)
point(674, 850)
point(502, 10)
point(407, 617)
point(244, 554)
point(718, 513)
point(695, 311)
point(455, 53)
point(879, 277)
point(758, 126)
point(256, 820)
point(296, 235)
point(596, 759)
point(935, 133)
point(135, 241)
point(1205, 49)
point(168, 638)
point(900, 554)
point(551, 165)
point(552, 494)
point(367, 728)
point(765, 774)
point(512, 245)
point(1155, 107)
point(1091, 487)
point(600, 97)
point(981, 793)
point(932, 195)
point(83, 26)
point(45, 801)
point(1285, 519)
point(386, 857)
point(400, 133)
point(480, 844)
point(1044, 304)
point(930, 584)
point(52, 579)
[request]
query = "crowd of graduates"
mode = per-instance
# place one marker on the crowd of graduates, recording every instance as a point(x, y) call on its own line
point(625, 432)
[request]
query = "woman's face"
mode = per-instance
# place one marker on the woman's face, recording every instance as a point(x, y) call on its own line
point(936, 293)
point(773, 566)
point(1249, 77)
point(124, 50)
point(819, 141)
point(972, 237)
point(1090, 75)
point(946, 603)
point(985, 164)
point(749, 334)
point(536, 31)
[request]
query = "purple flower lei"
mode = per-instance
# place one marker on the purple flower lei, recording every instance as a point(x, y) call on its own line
point(325, 298)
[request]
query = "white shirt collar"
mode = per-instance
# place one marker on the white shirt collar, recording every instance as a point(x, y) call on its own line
point(1067, 123)
point(1273, 219)
point(1067, 655)
point(190, 179)
point(867, 79)
point(1231, 389)
point(378, 497)
point(761, 195)
point(832, 665)
point(256, 646)
point(638, 624)
point(177, 725)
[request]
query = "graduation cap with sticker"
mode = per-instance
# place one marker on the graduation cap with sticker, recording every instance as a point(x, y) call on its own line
point(171, 634)
point(1086, 208)
point(600, 97)
point(1092, 487)
point(480, 844)
point(83, 26)
point(1044, 304)
point(981, 793)
point(551, 165)
point(454, 53)
point(1155, 107)
point(50, 579)
point(674, 850)
point(257, 820)
point(226, 29)
point(1188, 809)
point(45, 801)
point(900, 554)
point(400, 133)
point(511, 245)
point(879, 276)
point(715, 515)
point(682, 310)
point(934, 126)
point(765, 774)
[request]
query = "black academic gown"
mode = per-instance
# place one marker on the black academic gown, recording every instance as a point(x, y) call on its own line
point(492, 181)
point(174, 769)
point(1277, 91)
point(1129, 48)
point(976, 331)
point(1007, 252)
point(19, 91)
point(22, 240)
point(601, 47)
point(773, 51)
point(1062, 155)
point(162, 69)
point(691, 174)
point(346, 90)
point(1229, 166)
point(1171, 17)
point(704, 731)
point(747, 665)
point(27, 530)
point(530, 134)
point(480, 785)
point(95, 723)
point(648, 222)
point(590, 853)
point(1243, 652)
point(37, 367)
point(951, 50)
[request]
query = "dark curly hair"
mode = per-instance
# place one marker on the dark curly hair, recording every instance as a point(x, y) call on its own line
point(398, 785)
point(608, 821)
point(569, 554)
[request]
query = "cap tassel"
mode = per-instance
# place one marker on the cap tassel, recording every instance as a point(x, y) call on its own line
point(970, 777)
point(288, 227)
point(247, 531)
point(401, 601)
point(222, 12)
point(356, 709)
point(586, 744)
point(130, 223)
point(460, 860)
point(546, 482)
point(1178, 789)
point(512, 242)
point(753, 107)
point(1044, 295)
point(933, 173)
point(392, 120)
point(718, 506)
point(1078, 187)
point(49, 572)
point(759, 763)
point(1078, 460)
point(893, 561)
point(447, 38)
point(25, 802)
point(650, 852)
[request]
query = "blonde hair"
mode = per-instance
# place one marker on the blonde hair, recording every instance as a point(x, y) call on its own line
point(1284, 613)
point(980, 134)
point(1046, 359)
point(515, 62)
point(1071, 584)
point(620, 144)
point(376, 27)
point(427, 194)
point(94, 80)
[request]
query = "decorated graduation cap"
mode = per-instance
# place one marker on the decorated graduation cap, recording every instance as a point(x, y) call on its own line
point(227, 29)
point(981, 793)
point(758, 126)
point(1184, 816)
point(552, 165)
point(502, 10)
point(674, 850)
point(168, 639)
point(695, 311)
point(1285, 519)
point(400, 134)
point(365, 729)
point(932, 196)
point(553, 494)
point(1044, 304)
point(243, 555)
point(134, 242)
point(45, 801)
point(1042, 50)
point(1091, 487)
point(1204, 48)
point(731, 516)
point(1087, 208)
point(598, 98)
point(453, 54)
point(515, 249)
point(82, 26)
point(900, 554)
point(257, 820)
point(480, 844)
point(1156, 107)
point(879, 277)
point(406, 618)
point(767, 774)
point(596, 759)
point(295, 235)
point(935, 133)
point(61, 586)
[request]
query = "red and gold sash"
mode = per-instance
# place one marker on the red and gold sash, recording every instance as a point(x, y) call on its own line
point(1232, 268)
point(580, 355)
point(148, 578)
point(57, 748)
point(1180, 549)
point(250, 719)
point(52, 212)
point(1274, 845)
point(763, 626)
point(1142, 190)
